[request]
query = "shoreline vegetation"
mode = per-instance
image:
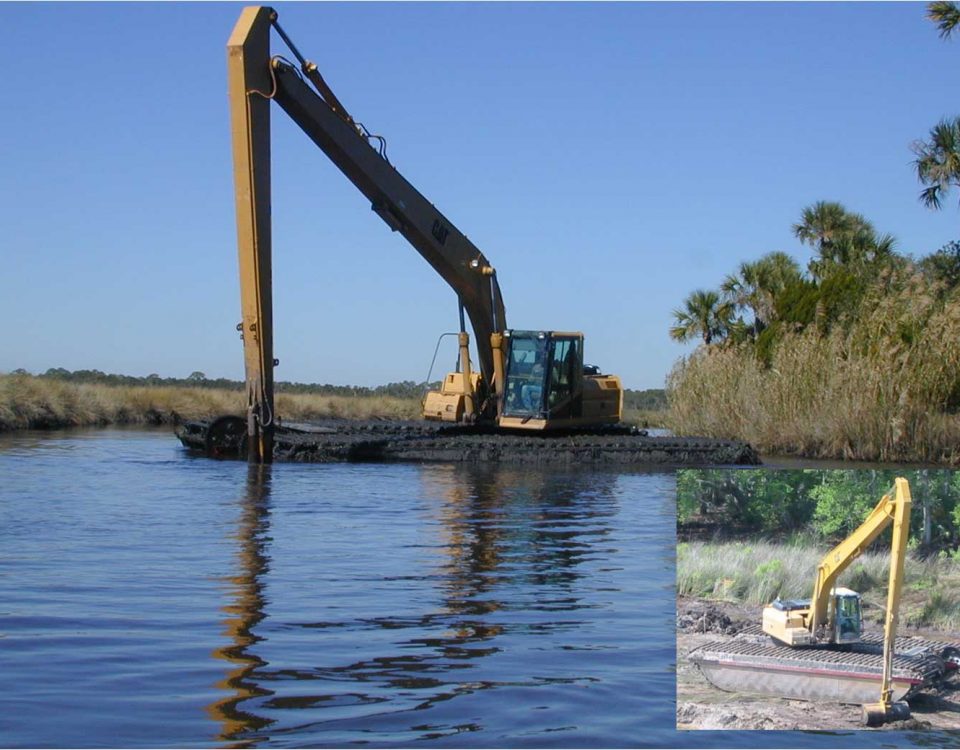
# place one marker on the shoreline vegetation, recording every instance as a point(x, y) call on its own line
point(855, 357)
point(61, 399)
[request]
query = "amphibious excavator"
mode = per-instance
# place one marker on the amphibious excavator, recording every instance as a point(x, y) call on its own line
point(529, 380)
point(815, 649)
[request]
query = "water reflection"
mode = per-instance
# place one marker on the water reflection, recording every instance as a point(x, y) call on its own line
point(508, 548)
point(506, 526)
point(245, 612)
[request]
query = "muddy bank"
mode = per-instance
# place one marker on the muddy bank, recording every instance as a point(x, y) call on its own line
point(343, 440)
point(702, 706)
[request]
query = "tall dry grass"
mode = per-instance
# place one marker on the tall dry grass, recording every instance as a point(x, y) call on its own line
point(882, 389)
point(28, 402)
point(756, 572)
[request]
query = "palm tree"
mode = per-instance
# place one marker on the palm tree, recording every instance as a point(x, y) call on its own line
point(777, 271)
point(703, 315)
point(945, 15)
point(841, 238)
point(826, 222)
point(938, 161)
point(859, 251)
point(742, 289)
point(755, 286)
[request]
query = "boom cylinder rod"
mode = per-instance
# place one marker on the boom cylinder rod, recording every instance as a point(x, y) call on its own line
point(311, 71)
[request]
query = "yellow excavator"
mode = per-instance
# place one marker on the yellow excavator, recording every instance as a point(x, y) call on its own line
point(527, 379)
point(833, 615)
point(815, 649)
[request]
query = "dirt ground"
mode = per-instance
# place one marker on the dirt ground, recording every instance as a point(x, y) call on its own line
point(702, 706)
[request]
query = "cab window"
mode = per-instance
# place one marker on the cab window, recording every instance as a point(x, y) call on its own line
point(565, 369)
point(526, 372)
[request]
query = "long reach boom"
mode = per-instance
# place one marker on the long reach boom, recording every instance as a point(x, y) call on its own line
point(256, 78)
point(528, 380)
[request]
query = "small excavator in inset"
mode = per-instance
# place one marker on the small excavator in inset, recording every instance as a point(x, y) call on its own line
point(528, 380)
point(833, 617)
point(819, 651)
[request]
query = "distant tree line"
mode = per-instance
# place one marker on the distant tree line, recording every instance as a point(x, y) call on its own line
point(197, 379)
point(651, 399)
point(648, 400)
point(830, 504)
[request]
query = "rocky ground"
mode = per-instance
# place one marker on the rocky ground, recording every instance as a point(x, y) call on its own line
point(702, 706)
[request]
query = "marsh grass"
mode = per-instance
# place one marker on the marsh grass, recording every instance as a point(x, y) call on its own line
point(756, 572)
point(28, 402)
point(884, 388)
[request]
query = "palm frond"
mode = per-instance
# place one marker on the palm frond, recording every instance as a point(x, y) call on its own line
point(946, 16)
point(938, 161)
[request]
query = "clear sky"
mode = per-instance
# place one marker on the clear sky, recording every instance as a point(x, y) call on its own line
point(608, 159)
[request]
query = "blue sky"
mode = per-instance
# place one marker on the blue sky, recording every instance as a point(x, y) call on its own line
point(608, 158)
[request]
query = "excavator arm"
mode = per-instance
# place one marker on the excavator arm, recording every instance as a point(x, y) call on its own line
point(255, 78)
point(458, 261)
point(893, 507)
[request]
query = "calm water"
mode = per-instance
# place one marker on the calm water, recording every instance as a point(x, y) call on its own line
point(148, 598)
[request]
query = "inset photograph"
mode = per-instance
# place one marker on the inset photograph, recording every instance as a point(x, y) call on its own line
point(818, 600)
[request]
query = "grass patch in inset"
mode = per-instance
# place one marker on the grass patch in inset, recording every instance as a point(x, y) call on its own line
point(756, 573)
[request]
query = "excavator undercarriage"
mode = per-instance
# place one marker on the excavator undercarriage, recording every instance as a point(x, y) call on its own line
point(420, 442)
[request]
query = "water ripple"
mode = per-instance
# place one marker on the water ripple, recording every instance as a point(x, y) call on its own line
point(150, 599)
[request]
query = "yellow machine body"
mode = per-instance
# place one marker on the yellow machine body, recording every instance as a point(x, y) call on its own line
point(453, 400)
point(790, 622)
point(787, 626)
point(545, 386)
point(820, 620)
point(600, 403)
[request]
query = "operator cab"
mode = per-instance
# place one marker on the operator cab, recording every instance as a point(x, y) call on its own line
point(788, 620)
point(543, 374)
point(847, 616)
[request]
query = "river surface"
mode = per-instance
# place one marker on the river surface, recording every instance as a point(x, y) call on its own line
point(149, 598)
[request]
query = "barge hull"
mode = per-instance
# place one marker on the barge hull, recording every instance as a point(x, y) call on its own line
point(827, 674)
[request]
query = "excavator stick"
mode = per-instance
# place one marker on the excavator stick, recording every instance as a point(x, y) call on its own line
point(887, 709)
point(249, 84)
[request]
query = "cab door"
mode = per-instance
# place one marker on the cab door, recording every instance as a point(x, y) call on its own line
point(849, 619)
point(564, 376)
